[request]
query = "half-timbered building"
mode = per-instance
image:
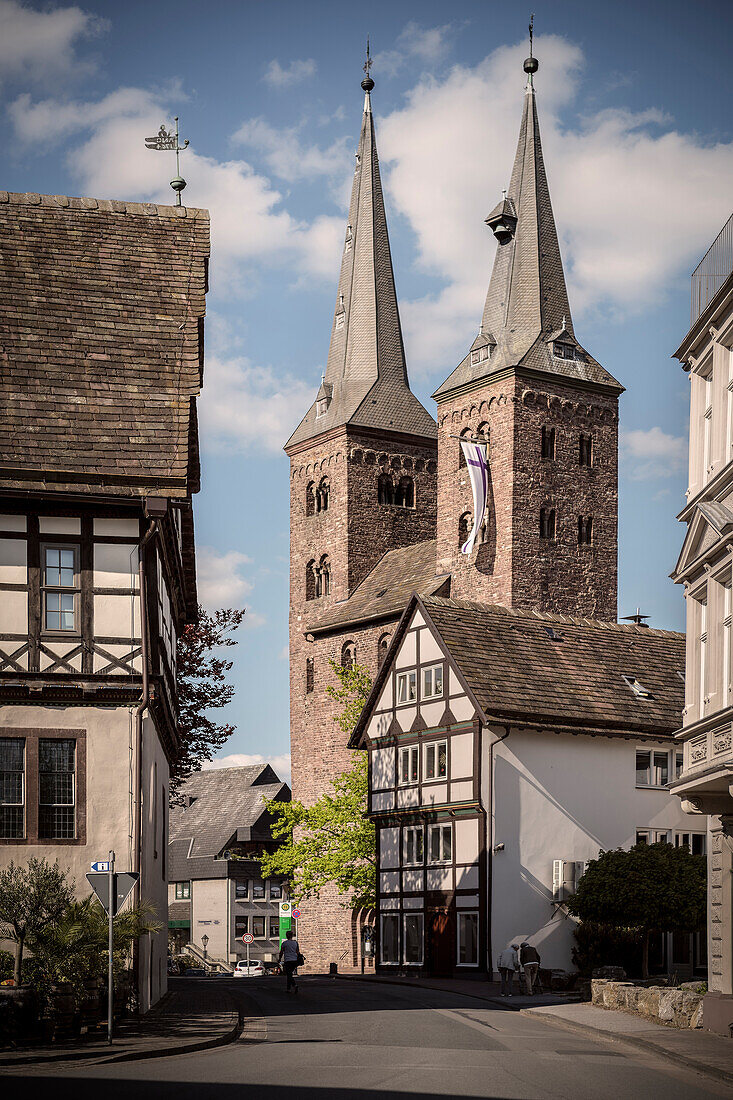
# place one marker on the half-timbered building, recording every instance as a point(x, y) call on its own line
point(101, 327)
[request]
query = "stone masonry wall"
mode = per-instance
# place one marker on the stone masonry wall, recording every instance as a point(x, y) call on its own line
point(675, 1007)
point(513, 566)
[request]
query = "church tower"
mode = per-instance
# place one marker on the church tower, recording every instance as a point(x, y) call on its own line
point(549, 413)
point(363, 483)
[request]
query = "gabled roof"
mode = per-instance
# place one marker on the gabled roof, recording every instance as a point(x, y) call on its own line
point(517, 674)
point(101, 307)
point(386, 590)
point(220, 805)
point(366, 361)
point(527, 300)
point(709, 522)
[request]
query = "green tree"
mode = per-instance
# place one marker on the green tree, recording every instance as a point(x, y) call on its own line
point(203, 686)
point(32, 898)
point(651, 887)
point(331, 841)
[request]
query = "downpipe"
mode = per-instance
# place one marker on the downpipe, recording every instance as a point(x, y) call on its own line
point(490, 876)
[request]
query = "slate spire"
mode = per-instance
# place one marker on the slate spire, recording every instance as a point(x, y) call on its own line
point(527, 319)
point(366, 382)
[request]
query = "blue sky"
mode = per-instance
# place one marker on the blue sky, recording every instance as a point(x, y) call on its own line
point(634, 102)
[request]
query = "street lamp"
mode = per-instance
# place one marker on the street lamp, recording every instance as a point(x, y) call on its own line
point(205, 941)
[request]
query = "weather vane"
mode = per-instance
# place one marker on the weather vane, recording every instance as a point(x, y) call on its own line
point(369, 62)
point(165, 141)
point(367, 83)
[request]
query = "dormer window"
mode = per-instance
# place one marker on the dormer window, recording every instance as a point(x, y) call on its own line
point(637, 688)
point(349, 238)
point(340, 320)
point(321, 406)
point(563, 351)
point(480, 355)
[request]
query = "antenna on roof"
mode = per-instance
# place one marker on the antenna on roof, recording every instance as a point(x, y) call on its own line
point(165, 141)
point(637, 618)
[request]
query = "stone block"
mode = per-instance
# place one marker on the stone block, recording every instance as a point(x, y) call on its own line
point(612, 973)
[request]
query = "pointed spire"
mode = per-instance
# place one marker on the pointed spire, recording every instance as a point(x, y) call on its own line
point(527, 305)
point(366, 375)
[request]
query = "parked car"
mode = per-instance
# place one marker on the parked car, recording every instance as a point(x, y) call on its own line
point(249, 970)
point(195, 972)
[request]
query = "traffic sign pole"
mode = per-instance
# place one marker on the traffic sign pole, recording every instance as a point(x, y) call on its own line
point(248, 959)
point(110, 943)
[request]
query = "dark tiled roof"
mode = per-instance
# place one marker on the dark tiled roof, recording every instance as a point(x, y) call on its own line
point(366, 369)
point(527, 300)
point(225, 800)
point(100, 316)
point(385, 592)
point(516, 671)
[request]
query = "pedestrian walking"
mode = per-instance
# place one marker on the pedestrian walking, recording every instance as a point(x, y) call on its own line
point(291, 958)
point(507, 963)
point(530, 959)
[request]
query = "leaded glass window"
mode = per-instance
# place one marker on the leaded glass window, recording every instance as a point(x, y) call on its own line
point(56, 789)
point(12, 788)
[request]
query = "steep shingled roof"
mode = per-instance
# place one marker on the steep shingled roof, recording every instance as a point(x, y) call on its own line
point(387, 588)
point(366, 367)
point(218, 803)
point(101, 344)
point(527, 301)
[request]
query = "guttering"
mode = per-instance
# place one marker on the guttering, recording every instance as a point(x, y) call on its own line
point(490, 846)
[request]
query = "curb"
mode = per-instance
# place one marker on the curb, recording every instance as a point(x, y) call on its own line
point(633, 1041)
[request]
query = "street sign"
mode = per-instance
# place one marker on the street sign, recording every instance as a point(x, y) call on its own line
point(101, 865)
point(123, 884)
point(296, 913)
point(248, 938)
point(285, 907)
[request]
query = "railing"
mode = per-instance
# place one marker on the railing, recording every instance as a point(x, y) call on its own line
point(712, 271)
point(208, 960)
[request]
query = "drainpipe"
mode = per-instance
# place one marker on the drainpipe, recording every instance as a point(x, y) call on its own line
point(144, 702)
point(490, 888)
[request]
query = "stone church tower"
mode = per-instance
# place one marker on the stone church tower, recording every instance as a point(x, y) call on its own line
point(550, 414)
point(363, 483)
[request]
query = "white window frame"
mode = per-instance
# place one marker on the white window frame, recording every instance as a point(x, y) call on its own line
point(408, 681)
point(703, 652)
point(459, 915)
point(653, 836)
point(729, 411)
point(679, 840)
point(652, 753)
point(420, 918)
point(398, 954)
point(416, 834)
point(427, 747)
point(726, 586)
point(443, 828)
point(412, 752)
point(432, 672)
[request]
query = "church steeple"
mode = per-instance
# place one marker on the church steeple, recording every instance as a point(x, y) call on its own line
point(365, 383)
point(527, 319)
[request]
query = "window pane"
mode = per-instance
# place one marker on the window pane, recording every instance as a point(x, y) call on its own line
point(240, 925)
point(258, 926)
point(390, 938)
point(642, 838)
point(405, 766)
point(276, 890)
point(413, 938)
point(12, 763)
point(258, 889)
point(698, 844)
point(468, 938)
point(435, 844)
point(430, 762)
point(409, 847)
point(438, 677)
point(418, 846)
point(427, 682)
point(447, 839)
point(642, 768)
point(443, 759)
point(661, 769)
point(274, 928)
point(241, 889)
point(56, 817)
point(678, 758)
point(53, 564)
point(402, 688)
point(415, 764)
point(59, 611)
point(412, 677)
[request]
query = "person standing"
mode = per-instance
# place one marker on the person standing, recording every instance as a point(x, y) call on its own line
point(507, 963)
point(530, 959)
point(290, 957)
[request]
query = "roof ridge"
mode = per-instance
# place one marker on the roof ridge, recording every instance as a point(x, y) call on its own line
point(104, 206)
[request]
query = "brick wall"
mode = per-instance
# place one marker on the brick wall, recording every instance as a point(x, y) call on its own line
point(514, 566)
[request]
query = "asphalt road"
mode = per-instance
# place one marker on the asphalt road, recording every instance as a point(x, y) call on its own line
point(343, 1040)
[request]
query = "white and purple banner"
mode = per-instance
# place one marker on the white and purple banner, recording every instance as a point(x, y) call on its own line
point(476, 463)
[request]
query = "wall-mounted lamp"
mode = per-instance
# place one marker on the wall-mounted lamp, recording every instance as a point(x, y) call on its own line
point(498, 847)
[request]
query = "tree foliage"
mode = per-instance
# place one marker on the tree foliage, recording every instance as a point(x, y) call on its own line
point(652, 887)
point(331, 841)
point(32, 898)
point(202, 687)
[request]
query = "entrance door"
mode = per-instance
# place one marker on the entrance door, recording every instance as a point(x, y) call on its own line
point(442, 941)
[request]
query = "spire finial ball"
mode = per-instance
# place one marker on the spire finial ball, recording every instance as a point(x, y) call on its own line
point(531, 65)
point(367, 84)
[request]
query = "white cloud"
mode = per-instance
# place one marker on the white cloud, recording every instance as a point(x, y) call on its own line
point(652, 453)
point(280, 763)
point(244, 406)
point(219, 577)
point(39, 47)
point(618, 181)
point(427, 45)
point(289, 158)
point(278, 77)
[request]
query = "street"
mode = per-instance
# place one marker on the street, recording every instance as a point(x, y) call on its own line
point(353, 1040)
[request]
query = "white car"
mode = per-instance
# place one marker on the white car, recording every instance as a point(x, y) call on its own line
point(249, 970)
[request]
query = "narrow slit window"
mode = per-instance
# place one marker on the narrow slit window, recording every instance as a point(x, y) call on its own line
point(547, 523)
point(548, 443)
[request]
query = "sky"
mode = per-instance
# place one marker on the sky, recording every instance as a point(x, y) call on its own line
point(633, 99)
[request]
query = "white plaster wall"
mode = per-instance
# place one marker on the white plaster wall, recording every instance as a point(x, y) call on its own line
point(115, 565)
point(209, 915)
point(562, 797)
point(153, 877)
point(389, 848)
point(13, 568)
point(383, 768)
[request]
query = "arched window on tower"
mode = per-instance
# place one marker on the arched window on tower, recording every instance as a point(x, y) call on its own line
point(309, 675)
point(461, 457)
point(465, 523)
point(322, 495)
point(483, 430)
point(310, 499)
point(311, 579)
point(385, 489)
point(585, 530)
point(405, 493)
point(547, 523)
point(348, 655)
point(382, 648)
point(323, 579)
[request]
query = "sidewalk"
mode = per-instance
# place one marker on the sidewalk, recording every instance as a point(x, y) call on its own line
point(195, 1014)
point(698, 1050)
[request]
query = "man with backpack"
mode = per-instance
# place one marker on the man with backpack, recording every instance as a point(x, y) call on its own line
point(291, 959)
